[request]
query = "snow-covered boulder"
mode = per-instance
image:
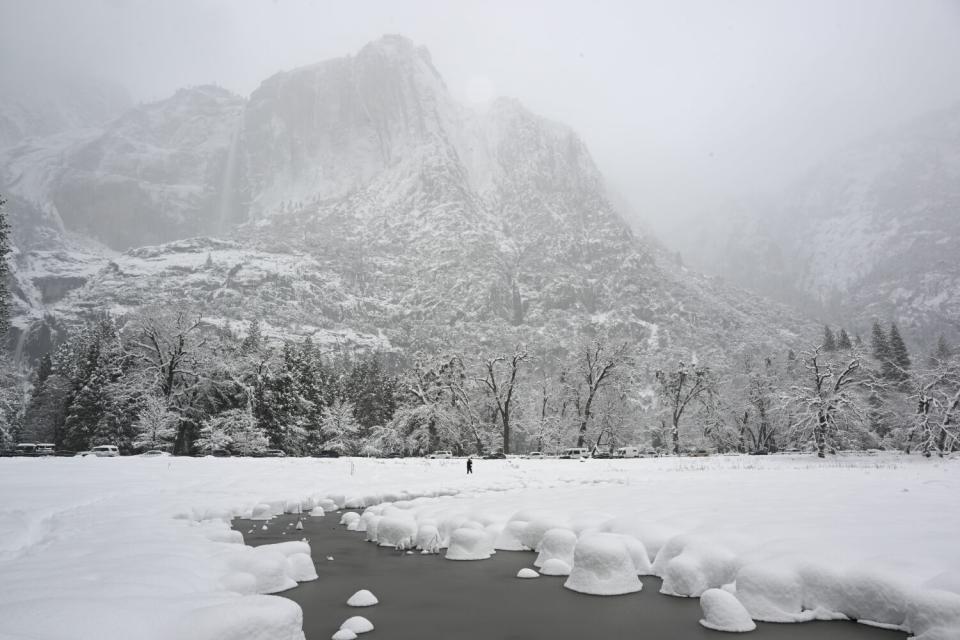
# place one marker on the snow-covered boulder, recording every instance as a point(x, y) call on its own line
point(399, 532)
point(372, 522)
point(723, 612)
point(349, 517)
point(536, 528)
point(527, 574)
point(357, 624)
point(555, 567)
point(556, 544)
point(509, 538)
point(770, 592)
point(362, 598)
point(428, 538)
point(602, 566)
point(469, 544)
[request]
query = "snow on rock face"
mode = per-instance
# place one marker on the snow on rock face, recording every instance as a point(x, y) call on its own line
point(556, 544)
point(397, 532)
point(357, 624)
point(527, 574)
point(602, 566)
point(362, 598)
point(469, 544)
point(723, 612)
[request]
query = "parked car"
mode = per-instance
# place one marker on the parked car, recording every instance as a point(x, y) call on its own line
point(154, 453)
point(574, 453)
point(600, 455)
point(274, 453)
point(534, 455)
point(439, 455)
point(499, 455)
point(627, 452)
point(105, 451)
point(327, 453)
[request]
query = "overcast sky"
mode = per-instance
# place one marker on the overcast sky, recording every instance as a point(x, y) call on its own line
point(683, 103)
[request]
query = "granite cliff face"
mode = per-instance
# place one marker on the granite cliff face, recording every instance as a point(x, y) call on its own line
point(357, 202)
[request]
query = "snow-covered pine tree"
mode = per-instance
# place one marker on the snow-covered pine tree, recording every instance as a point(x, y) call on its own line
point(4, 270)
point(899, 356)
point(829, 339)
point(942, 353)
point(843, 340)
point(253, 341)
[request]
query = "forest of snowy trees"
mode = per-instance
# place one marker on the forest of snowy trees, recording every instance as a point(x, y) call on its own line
point(169, 380)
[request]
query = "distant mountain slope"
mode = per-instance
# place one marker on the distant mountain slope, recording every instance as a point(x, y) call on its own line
point(872, 233)
point(379, 213)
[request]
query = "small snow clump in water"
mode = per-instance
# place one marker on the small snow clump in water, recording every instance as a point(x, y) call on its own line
point(723, 612)
point(362, 598)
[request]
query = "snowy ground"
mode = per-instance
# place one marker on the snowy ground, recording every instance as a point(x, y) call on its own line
point(132, 547)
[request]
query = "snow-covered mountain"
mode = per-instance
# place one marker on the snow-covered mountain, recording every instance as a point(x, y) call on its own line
point(873, 233)
point(374, 210)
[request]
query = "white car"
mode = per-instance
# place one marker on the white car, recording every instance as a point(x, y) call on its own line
point(438, 455)
point(575, 453)
point(534, 455)
point(155, 453)
point(105, 451)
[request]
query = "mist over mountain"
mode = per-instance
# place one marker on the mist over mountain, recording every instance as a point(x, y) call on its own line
point(871, 233)
point(354, 201)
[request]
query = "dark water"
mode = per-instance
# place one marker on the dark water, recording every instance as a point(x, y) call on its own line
point(426, 597)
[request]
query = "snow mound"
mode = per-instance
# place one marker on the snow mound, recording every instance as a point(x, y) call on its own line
point(372, 527)
point(556, 544)
point(344, 634)
point(399, 532)
point(689, 565)
point(723, 612)
point(428, 539)
point(326, 504)
point(555, 567)
point(300, 567)
point(536, 528)
point(771, 593)
point(527, 574)
point(317, 512)
point(249, 617)
point(509, 538)
point(349, 517)
point(602, 566)
point(357, 624)
point(362, 598)
point(469, 544)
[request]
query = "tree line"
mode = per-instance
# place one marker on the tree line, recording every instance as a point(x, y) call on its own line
point(171, 380)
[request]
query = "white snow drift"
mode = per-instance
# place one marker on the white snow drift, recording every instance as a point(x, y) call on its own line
point(786, 538)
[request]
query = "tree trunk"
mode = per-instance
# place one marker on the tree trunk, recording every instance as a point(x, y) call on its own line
point(675, 433)
point(820, 435)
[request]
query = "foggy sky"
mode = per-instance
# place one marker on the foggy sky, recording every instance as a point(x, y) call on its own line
point(683, 103)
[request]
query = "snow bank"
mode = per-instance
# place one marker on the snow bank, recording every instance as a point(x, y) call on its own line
point(723, 612)
point(556, 544)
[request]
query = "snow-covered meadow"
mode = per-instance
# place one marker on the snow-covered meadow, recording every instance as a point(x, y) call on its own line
point(135, 547)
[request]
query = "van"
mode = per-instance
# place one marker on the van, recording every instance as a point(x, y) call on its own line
point(105, 451)
point(627, 452)
point(440, 455)
point(575, 452)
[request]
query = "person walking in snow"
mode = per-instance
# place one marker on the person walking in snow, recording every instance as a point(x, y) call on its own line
point(469, 465)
